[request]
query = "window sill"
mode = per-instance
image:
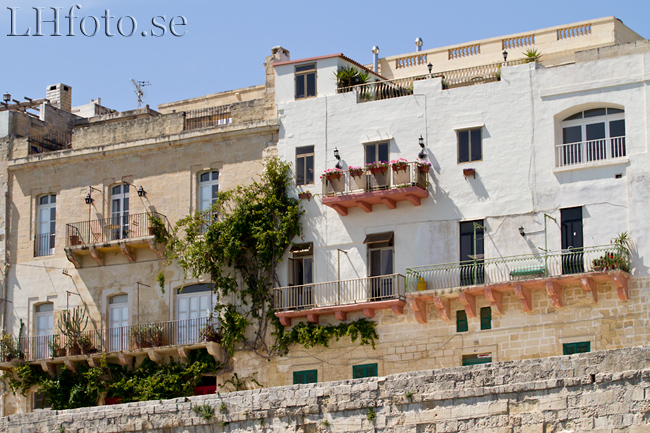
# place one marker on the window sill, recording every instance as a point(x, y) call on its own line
point(595, 164)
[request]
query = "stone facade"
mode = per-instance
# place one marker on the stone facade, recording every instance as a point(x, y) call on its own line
point(601, 392)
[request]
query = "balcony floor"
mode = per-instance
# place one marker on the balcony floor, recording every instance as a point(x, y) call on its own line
point(366, 200)
point(522, 289)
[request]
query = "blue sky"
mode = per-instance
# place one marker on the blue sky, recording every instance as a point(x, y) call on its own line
point(224, 43)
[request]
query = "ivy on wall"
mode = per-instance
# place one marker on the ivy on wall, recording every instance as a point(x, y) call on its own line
point(83, 388)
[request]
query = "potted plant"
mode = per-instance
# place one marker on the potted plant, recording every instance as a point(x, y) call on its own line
point(72, 323)
point(616, 259)
point(332, 173)
point(424, 166)
point(210, 332)
point(147, 336)
point(377, 167)
point(8, 347)
point(399, 164)
point(157, 229)
point(532, 55)
point(355, 171)
point(87, 346)
point(304, 195)
point(56, 348)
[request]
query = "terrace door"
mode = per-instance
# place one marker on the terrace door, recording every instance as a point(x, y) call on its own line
point(44, 320)
point(572, 242)
point(119, 225)
point(193, 308)
point(472, 270)
point(118, 323)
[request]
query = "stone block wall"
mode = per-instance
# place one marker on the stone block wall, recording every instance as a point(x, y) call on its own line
point(607, 391)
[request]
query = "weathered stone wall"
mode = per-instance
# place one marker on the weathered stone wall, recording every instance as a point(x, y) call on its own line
point(606, 391)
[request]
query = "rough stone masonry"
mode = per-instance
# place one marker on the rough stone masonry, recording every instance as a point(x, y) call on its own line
point(607, 391)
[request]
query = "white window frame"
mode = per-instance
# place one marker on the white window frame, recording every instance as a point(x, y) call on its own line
point(118, 337)
point(590, 151)
point(119, 217)
point(207, 185)
point(187, 329)
point(46, 216)
point(41, 345)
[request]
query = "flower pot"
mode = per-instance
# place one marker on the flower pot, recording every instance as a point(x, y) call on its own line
point(304, 195)
point(401, 167)
point(333, 176)
point(74, 350)
point(152, 231)
point(377, 170)
point(58, 353)
point(74, 240)
point(356, 173)
point(424, 168)
point(469, 172)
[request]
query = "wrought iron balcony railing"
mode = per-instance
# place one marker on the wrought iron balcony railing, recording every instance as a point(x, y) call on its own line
point(44, 244)
point(125, 226)
point(335, 293)
point(516, 268)
point(108, 340)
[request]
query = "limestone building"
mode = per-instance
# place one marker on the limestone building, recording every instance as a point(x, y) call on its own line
point(466, 206)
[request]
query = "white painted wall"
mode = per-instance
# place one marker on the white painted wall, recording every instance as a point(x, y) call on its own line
point(516, 182)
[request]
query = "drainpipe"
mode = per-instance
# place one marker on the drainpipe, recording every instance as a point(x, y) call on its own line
point(375, 57)
point(6, 264)
point(418, 44)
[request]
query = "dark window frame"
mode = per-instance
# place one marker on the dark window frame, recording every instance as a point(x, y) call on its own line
point(302, 377)
point(305, 165)
point(486, 318)
point(365, 370)
point(305, 81)
point(469, 144)
point(462, 325)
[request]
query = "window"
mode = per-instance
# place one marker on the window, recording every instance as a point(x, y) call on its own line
point(208, 189)
point(304, 377)
point(486, 318)
point(461, 321)
point(305, 81)
point(39, 402)
point(119, 225)
point(301, 274)
point(474, 359)
point(305, 165)
point(46, 225)
point(470, 145)
point(377, 152)
point(194, 308)
point(44, 324)
point(580, 347)
point(380, 264)
point(365, 370)
point(592, 135)
point(118, 323)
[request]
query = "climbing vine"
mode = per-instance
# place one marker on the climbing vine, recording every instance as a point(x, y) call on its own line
point(83, 388)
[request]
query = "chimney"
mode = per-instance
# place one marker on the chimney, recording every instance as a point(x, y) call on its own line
point(418, 44)
point(60, 96)
point(375, 58)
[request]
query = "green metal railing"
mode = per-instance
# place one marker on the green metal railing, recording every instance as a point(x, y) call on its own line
point(516, 268)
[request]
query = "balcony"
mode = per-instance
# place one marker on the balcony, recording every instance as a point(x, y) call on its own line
point(122, 233)
point(340, 297)
point(367, 188)
point(519, 274)
point(154, 339)
point(593, 151)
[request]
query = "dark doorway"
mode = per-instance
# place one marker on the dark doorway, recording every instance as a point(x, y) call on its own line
point(472, 271)
point(572, 242)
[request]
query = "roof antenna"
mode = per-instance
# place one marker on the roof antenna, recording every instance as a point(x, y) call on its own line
point(138, 89)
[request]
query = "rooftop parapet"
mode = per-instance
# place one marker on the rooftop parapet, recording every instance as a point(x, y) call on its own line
point(556, 44)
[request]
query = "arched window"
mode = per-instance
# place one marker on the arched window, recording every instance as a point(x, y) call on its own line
point(208, 189)
point(592, 135)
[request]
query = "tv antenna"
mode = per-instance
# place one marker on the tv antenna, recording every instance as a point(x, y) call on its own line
point(138, 89)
